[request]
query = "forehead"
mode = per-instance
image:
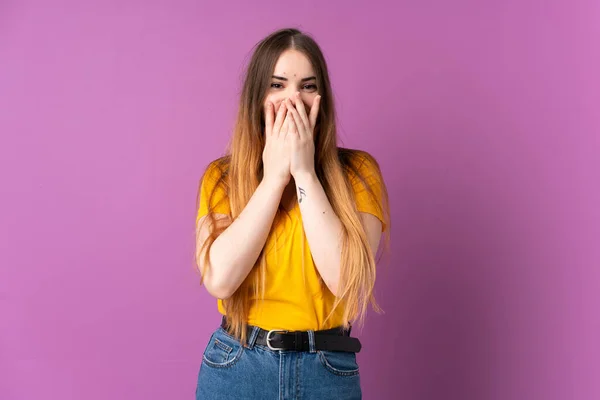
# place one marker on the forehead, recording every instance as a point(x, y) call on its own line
point(293, 62)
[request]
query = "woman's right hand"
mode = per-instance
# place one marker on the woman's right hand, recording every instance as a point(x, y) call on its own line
point(276, 154)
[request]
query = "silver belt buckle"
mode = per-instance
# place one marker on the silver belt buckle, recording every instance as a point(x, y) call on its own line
point(269, 337)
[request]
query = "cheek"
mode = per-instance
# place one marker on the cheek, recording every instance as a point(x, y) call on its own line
point(274, 101)
point(309, 103)
point(273, 98)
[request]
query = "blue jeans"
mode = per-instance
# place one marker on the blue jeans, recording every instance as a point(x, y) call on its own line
point(232, 371)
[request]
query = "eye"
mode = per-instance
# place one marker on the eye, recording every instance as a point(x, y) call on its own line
point(278, 85)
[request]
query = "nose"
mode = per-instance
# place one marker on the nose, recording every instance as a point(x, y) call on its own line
point(289, 95)
point(286, 96)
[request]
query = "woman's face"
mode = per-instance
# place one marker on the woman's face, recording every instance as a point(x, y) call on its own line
point(293, 73)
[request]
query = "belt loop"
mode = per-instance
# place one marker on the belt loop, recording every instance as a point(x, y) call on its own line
point(311, 341)
point(253, 335)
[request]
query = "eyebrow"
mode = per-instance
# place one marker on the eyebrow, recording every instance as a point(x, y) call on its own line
point(301, 80)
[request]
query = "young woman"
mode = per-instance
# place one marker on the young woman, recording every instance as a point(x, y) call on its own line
point(288, 227)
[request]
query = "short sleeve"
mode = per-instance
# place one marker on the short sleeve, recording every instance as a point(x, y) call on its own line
point(365, 202)
point(219, 202)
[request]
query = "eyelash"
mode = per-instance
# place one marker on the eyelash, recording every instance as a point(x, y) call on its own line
point(315, 86)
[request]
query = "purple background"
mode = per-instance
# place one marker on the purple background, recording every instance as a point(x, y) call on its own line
point(483, 115)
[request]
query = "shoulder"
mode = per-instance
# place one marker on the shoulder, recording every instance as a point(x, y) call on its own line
point(216, 170)
point(356, 157)
point(219, 165)
point(358, 164)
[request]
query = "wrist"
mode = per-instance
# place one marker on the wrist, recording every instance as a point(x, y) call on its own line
point(305, 177)
point(275, 184)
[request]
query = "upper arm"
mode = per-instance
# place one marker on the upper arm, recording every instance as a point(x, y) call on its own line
point(213, 193)
point(203, 230)
point(368, 187)
point(202, 233)
point(373, 227)
point(213, 199)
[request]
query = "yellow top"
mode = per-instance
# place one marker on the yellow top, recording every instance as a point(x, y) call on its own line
point(292, 302)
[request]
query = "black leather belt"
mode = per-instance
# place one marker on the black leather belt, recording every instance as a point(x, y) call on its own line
point(334, 339)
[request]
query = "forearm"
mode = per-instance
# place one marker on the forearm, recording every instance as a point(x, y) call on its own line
point(323, 228)
point(235, 251)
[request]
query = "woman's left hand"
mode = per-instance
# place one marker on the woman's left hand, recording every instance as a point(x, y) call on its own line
point(302, 127)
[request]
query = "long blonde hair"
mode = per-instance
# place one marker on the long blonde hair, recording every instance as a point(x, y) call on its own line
point(242, 170)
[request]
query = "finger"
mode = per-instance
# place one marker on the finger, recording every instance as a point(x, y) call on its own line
point(292, 128)
point(286, 123)
point(296, 122)
point(279, 120)
point(269, 119)
point(302, 111)
point(314, 111)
